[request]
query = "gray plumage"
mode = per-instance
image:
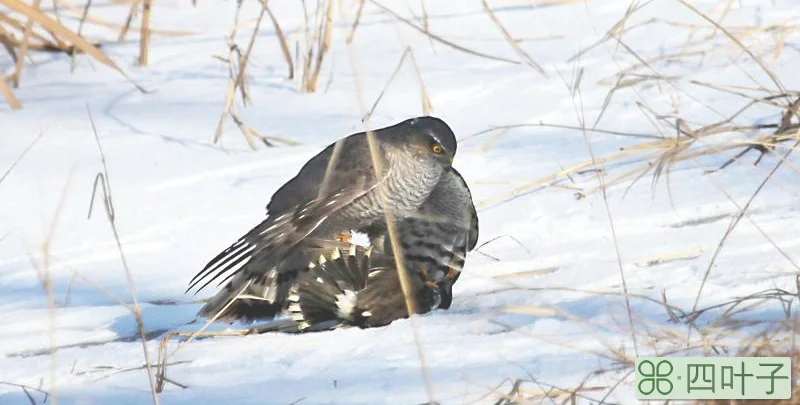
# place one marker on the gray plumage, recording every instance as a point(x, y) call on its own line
point(438, 236)
point(362, 288)
point(337, 190)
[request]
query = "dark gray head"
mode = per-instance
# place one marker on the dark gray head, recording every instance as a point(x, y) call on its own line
point(428, 136)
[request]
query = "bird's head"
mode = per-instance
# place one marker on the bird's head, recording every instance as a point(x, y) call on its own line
point(429, 138)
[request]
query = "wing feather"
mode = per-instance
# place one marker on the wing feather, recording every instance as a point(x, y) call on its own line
point(260, 249)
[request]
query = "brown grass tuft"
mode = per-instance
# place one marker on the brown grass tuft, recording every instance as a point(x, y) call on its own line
point(25, 28)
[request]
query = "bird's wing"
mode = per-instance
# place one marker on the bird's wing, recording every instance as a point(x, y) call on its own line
point(261, 248)
point(331, 169)
point(248, 299)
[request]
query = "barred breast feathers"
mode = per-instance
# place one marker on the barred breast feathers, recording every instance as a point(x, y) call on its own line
point(414, 182)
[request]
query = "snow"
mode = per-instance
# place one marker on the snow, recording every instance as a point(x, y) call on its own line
point(542, 299)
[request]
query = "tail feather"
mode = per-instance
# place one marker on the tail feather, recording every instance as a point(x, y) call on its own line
point(318, 304)
point(357, 289)
point(328, 295)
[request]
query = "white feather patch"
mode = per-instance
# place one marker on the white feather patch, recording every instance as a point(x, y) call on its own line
point(345, 303)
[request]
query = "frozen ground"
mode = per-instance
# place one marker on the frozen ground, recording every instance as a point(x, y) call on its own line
point(179, 199)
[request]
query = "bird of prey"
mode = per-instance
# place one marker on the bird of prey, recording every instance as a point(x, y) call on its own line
point(338, 190)
point(362, 287)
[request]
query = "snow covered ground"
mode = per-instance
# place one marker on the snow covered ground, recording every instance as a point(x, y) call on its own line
point(179, 198)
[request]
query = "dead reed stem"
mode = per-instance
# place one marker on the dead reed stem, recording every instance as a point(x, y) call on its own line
point(426, 103)
point(440, 39)
point(21, 155)
point(8, 94)
point(111, 216)
point(577, 100)
point(43, 273)
point(24, 48)
point(144, 36)
point(509, 39)
point(734, 222)
point(402, 271)
point(80, 29)
point(237, 67)
point(287, 54)
point(325, 28)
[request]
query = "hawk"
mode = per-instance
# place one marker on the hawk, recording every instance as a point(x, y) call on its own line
point(336, 191)
point(362, 288)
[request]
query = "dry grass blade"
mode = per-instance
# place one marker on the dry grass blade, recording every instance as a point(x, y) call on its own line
point(125, 27)
point(52, 25)
point(245, 59)
point(561, 126)
point(687, 145)
point(287, 54)
point(755, 58)
point(8, 42)
point(74, 52)
point(324, 34)
point(426, 102)
point(123, 31)
point(511, 41)
point(9, 95)
point(36, 42)
point(58, 29)
point(388, 83)
point(144, 36)
point(25, 388)
point(25, 40)
point(137, 313)
point(21, 155)
point(402, 271)
point(44, 275)
point(427, 107)
point(577, 100)
point(237, 66)
point(163, 356)
point(352, 33)
point(440, 39)
point(393, 238)
point(735, 221)
point(616, 30)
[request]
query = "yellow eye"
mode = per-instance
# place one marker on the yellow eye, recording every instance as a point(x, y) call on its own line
point(437, 149)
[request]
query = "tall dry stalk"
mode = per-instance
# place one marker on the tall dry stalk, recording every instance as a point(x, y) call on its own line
point(144, 36)
point(102, 178)
point(237, 62)
point(317, 41)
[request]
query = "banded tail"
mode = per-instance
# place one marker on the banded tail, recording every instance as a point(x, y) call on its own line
point(356, 288)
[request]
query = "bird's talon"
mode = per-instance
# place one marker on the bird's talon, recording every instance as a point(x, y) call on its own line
point(452, 273)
